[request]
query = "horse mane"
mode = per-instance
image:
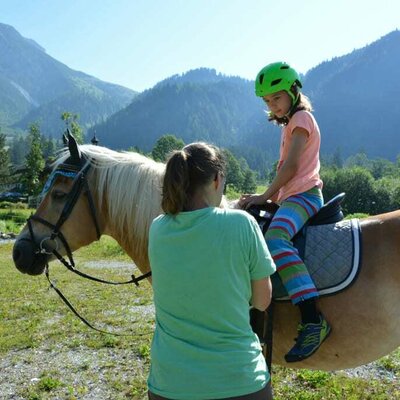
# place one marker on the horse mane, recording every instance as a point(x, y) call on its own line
point(132, 182)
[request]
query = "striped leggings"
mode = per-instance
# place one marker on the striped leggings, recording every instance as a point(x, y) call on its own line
point(288, 220)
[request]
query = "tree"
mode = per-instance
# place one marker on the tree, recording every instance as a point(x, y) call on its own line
point(381, 167)
point(136, 149)
point(249, 184)
point(34, 162)
point(19, 148)
point(71, 121)
point(358, 160)
point(164, 146)
point(337, 159)
point(396, 196)
point(271, 173)
point(249, 181)
point(49, 147)
point(234, 175)
point(358, 184)
point(4, 160)
point(382, 200)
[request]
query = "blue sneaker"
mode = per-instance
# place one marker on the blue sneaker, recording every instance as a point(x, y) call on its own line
point(310, 338)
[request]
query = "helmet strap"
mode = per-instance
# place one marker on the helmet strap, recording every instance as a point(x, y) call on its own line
point(295, 96)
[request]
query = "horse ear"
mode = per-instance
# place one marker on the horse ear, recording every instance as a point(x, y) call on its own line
point(65, 139)
point(73, 148)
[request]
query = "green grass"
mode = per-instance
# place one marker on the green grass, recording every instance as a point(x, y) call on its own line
point(357, 215)
point(13, 216)
point(42, 317)
point(318, 385)
point(33, 319)
point(232, 194)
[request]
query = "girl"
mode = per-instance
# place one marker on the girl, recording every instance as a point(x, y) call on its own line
point(208, 265)
point(297, 187)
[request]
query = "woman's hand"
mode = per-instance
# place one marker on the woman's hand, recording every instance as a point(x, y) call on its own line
point(248, 200)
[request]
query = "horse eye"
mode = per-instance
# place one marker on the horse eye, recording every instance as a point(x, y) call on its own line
point(58, 194)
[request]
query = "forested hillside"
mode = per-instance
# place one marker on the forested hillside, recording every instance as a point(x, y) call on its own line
point(199, 105)
point(354, 97)
point(36, 87)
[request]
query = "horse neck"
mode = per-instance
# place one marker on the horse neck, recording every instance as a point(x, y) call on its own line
point(126, 216)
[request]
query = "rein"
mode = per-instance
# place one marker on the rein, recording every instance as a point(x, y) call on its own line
point(49, 245)
point(73, 309)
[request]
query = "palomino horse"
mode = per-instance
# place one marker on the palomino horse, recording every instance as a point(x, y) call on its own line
point(123, 195)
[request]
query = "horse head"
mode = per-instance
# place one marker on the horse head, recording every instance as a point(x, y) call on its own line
point(66, 203)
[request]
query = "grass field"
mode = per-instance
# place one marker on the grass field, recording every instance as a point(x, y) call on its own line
point(36, 329)
point(47, 353)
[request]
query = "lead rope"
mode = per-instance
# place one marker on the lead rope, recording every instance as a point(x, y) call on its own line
point(71, 267)
point(83, 319)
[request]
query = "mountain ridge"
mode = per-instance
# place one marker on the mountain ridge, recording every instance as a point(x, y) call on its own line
point(30, 80)
point(354, 98)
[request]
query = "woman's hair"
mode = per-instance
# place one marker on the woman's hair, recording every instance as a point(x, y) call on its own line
point(302, 103)
point(187, 170)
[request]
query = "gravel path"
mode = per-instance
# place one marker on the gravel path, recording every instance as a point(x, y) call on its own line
point(86, 370)
point(90, 371)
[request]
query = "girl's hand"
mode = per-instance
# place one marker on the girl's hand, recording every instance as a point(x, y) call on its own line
point(248, 200)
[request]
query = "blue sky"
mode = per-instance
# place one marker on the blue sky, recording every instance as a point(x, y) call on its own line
point(137, 43)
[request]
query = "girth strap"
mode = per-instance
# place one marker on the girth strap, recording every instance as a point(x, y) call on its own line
point(261, 323)
point(268, 335)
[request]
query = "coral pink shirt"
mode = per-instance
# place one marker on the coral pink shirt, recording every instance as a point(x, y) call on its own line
point(307, 175)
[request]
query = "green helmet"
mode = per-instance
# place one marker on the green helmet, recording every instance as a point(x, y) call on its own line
point(276, 77)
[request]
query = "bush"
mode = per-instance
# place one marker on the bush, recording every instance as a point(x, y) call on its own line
point(8, 205)
point(9, 227)
point(13, 219)
point(364, 194)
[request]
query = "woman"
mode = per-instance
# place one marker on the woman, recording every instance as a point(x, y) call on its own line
point(208, 265)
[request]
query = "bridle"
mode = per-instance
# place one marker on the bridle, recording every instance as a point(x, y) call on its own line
point(79, 186)
point(78, 168)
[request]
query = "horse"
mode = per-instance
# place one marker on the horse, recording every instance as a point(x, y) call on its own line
point(119, 194)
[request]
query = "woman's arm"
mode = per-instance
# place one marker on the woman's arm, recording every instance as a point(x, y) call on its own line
point(261, 292)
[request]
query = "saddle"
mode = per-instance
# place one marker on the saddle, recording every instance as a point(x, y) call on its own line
point(330, 213)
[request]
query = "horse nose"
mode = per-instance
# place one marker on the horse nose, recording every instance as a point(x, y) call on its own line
point(23, 254)
point(25, 258)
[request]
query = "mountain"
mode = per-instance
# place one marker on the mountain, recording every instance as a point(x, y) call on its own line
point(36, 87)
point(198, 105)
point(354, 97)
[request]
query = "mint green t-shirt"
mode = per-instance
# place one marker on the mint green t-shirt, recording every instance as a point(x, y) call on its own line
point(203, 262)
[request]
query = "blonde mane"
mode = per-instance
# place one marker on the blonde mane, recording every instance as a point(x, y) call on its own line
point(133, 183)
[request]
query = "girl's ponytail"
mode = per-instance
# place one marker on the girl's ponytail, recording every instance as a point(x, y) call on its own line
point(188, 171)
point(176, 183)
